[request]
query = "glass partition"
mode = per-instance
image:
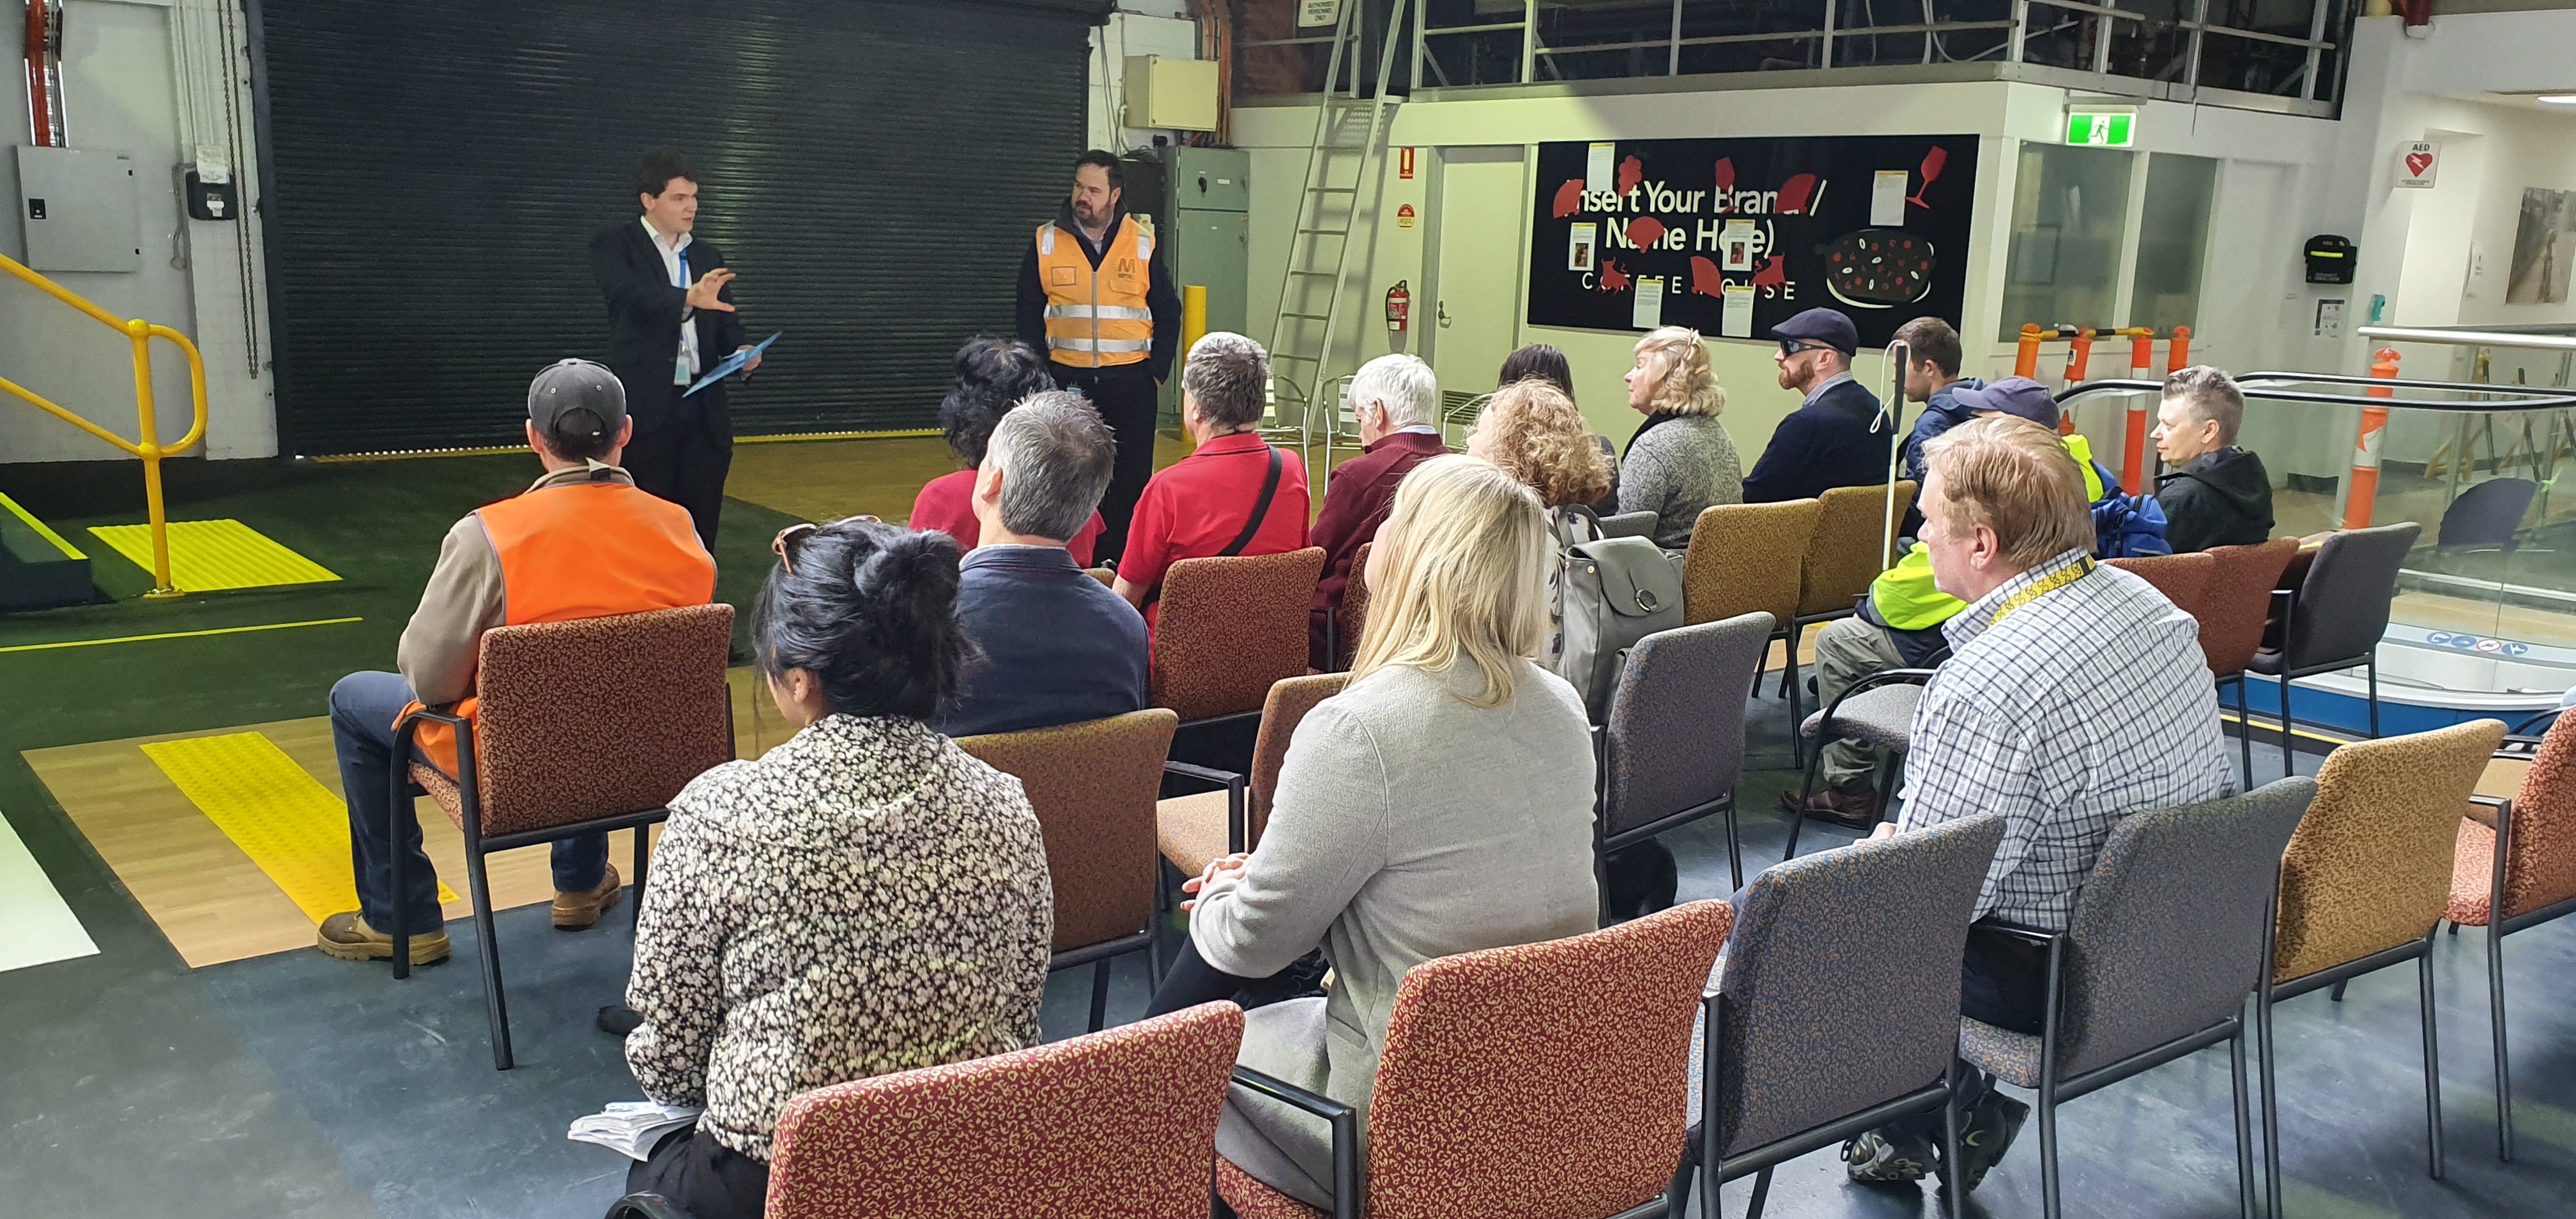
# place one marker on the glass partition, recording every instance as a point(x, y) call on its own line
point(2173, 241)
point(2070, 211)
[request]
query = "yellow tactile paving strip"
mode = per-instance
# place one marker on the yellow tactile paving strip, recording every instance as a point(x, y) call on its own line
point(210, 556)
point(294, 828)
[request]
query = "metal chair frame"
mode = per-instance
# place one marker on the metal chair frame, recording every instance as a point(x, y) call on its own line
point(477, 846)
point(1759, 1161)
point(2054, 1091)
point(1604, 842)
point(1344, 1121)
point(2288, 674)
point(2499, 927)
point(1824, 729)
point(2267, 994)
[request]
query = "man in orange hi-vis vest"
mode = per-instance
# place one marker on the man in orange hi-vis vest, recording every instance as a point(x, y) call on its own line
point(1094, 297)
point(583, 542)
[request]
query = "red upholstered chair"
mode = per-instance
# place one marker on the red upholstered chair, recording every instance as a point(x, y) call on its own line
point(2516, 869)
point(2182, 578)
point(1354, 615)
point(1195, 830)
point(1113, 1125)
point(1230, 626)
point(582, 727)
point(2236, 604)
point(1541, 1080)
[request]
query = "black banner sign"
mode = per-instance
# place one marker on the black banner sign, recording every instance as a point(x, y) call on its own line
point(1732, 236)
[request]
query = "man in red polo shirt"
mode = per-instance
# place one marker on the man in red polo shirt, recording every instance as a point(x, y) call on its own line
point(1234, 494)
point(1397, 403)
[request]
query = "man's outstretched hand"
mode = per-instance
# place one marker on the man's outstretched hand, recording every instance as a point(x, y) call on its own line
point(702, 294)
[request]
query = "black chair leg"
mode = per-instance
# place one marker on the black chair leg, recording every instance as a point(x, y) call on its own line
point(2337, 993)
point(1761, 1193)
point(1734, 846)
point(643, 841)
point(2048, 1203)
point(1100, 995)
point(396, 840)
point(1815, 764)
point(2432, 1058)
point(2270, 1079)
point(1677, 1194)
point(2374, 693)
point(1950, 1138)
point(2244, 732)
point(2244, 1128)
point(1797, 698)
point(2286, 768)
point(486, 932)
point(2495, 1012)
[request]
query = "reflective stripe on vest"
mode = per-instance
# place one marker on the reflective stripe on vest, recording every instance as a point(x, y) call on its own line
point(585, 550)
point(1098, 317)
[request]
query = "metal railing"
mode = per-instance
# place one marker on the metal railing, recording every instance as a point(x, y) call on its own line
point(149, 448)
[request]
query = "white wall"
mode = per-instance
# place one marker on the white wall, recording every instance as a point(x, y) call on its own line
point(142, 79)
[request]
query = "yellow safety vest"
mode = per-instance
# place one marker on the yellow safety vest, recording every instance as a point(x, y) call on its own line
point(1904, 596)
point(1097, 318)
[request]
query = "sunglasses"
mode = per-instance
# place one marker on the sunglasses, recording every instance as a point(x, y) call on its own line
point(789, 539)
point(1791, 347)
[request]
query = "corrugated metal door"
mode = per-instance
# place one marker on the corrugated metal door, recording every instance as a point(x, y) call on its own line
point(874, 169)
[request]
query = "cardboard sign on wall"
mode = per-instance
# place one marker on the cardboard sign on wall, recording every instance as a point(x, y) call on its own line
point(1732, 236)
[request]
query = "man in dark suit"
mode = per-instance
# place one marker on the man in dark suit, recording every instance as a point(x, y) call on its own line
point(670, 318)
point(1834, 438)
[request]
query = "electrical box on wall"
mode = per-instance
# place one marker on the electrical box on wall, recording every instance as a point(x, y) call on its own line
point(1175, 94)
point(79, 210)
point(210, 200)
point(2330, 259)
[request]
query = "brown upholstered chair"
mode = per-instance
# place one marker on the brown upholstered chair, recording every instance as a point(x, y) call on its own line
point(2515, 869)
point(1093, 785)
point(1195, 830)
point(1743, 559)
point(1230, 626)
point(2236, 604)
point(1538, 1079)
point(581, 727)
point(2182, 578)
point(1117, 1123)
point(1354, 615)
point(1843, 556)
point(1108, 577)
point(2363, 885)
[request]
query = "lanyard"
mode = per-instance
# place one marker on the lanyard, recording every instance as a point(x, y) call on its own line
point(2078, 570)
point(683, 256)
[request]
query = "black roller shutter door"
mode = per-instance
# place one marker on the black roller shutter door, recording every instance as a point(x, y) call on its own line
point(873, 171)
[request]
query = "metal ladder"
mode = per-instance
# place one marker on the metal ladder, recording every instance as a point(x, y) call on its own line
point(1319, 247)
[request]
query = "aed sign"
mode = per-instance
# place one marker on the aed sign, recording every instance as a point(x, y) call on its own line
point(2101, 128)
point(2417, 162)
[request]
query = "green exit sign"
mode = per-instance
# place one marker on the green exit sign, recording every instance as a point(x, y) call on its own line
point(2101, 129)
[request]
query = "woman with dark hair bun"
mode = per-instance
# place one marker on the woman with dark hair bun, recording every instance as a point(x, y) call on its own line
point(865, 898)
point(1545, 362)
point(994, 374)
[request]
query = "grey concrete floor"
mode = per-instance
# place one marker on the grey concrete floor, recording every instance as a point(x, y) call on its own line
point(296, 1085)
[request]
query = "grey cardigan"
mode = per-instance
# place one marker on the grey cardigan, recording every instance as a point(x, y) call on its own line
point(1409, 824)
point(1676, 469)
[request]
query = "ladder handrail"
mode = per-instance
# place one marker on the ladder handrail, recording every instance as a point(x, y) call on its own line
point(1370, 153)
point(1306, 189)
point(148, 446)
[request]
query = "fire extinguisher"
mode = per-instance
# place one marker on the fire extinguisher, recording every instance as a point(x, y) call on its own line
point(1399, 307)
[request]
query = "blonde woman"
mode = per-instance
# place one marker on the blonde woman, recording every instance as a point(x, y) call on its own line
point(1441, 803)
point(1680, 460)
point(1531, 430)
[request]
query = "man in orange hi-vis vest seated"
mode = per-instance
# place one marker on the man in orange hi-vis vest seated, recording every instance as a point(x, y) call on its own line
point(582, 542)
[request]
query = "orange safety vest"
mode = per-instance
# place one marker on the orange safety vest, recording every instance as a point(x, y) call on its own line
point(584, 550)
point(1096, 318)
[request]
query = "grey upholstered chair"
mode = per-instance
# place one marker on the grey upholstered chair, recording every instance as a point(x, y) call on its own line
point(1877, 711)
point(1673, 744)
point(1629, 525)
point(2167, 939)
point(1843, 950)
point(2340, 610)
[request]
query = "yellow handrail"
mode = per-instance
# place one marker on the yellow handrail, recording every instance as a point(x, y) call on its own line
point(149, 448)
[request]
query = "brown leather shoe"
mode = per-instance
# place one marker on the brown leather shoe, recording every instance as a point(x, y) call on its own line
point(575, 911)
point(1855, 810)
point(348, 937)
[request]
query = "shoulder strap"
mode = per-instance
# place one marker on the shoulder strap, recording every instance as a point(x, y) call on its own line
point(1260, 507)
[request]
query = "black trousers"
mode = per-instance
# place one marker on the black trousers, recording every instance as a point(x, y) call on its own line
point(703, 1177)
point(1128, 401)
point(682, 450)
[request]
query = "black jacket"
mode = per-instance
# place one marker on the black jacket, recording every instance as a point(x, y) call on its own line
point(2217, 499)
point(1161, 298)
point(1823, 444)
point(644, 316)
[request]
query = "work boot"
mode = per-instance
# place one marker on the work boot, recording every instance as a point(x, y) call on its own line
point(1855, 809)
point(347, 936)
point(576, 911)
point(1877, 1158)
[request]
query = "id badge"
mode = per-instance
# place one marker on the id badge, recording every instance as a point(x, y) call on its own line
point(680, 369)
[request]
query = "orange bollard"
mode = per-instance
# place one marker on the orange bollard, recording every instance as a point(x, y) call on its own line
point(2364, 486)
point(2142, 364)
point(2026, 359)
point(2079, 352)
point(2178, 355)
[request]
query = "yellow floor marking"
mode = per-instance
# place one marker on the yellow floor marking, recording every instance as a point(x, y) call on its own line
point(221, 630)
point(209, 556)
point(290, 825)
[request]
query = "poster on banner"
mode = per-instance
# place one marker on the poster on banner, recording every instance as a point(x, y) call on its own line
point(1735, 235)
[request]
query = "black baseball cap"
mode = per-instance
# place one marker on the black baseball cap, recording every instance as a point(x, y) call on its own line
point(576, 383)
point(1821, 325)
point(2017, 396)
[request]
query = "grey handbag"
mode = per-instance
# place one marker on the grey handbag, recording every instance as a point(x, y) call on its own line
point(1609, 593)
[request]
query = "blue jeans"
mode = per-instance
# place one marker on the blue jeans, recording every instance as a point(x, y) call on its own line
point(363, 707)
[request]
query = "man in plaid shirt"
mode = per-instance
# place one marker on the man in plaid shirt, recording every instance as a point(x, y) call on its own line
point(2075, 695)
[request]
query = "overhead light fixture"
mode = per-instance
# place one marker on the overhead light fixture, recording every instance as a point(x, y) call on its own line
point(2557, 99)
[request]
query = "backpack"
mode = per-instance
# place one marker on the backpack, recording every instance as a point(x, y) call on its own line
point(1605, 594)
point(2126, 526)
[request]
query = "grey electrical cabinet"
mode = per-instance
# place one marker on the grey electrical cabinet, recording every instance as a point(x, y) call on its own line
point(1208, 212)
point(79, 209)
